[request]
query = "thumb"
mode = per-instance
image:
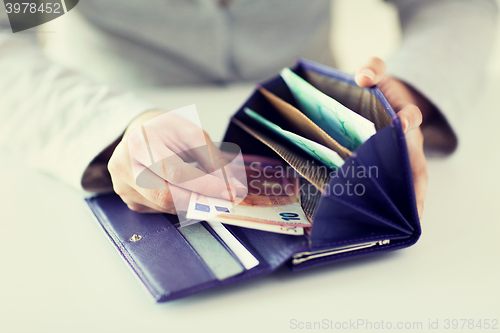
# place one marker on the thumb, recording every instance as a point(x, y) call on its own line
point(371, 73)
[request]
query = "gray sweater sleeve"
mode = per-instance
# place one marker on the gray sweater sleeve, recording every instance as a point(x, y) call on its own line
point(445, 47)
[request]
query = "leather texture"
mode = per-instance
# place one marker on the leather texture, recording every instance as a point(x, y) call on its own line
point(166, 263)
point(170, 268)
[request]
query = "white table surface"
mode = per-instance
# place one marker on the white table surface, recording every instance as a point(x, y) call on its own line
point(59, 272)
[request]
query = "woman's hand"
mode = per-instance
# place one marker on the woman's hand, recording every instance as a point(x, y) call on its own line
point(411, 108)
point(150, 167)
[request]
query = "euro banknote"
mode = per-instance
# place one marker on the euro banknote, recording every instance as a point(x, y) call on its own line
point(344, 125)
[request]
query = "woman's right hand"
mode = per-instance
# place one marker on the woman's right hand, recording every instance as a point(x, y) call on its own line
point(155, 152)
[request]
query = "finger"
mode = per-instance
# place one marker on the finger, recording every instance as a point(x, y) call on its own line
point(136, 207)
point(173, 199)
point(127, 187)
point(371, 73)
point(159, 193)
point(217, 162)
point(411, 117)
point(142, 205)
point(137, 202)
point(418, 163)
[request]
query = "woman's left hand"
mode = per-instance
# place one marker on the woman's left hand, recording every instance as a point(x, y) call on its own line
point(411, 108)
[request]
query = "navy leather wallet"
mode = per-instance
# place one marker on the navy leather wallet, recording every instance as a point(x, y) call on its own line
point(344, 226)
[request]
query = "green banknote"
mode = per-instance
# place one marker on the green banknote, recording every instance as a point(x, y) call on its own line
point(320, 152)
point(344, 125)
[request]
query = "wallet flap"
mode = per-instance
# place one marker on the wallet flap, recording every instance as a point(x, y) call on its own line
point(388, 151)
point(156, 248)
point(166, 263)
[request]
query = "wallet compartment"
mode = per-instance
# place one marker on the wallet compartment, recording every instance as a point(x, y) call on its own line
point(388, 209)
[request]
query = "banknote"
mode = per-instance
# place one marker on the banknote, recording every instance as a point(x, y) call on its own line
point(344, 125)
point(272, 203)
point(202, 207)
point(280, 229)
point(316, 150)
point(245, 257)
point(266, 176)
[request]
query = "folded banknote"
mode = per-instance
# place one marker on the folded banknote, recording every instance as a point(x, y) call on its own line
point(347, 127)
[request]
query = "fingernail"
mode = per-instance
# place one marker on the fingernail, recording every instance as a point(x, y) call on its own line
point(368, 73)
point(405, 125)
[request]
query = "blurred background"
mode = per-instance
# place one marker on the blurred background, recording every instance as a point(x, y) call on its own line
point(375, 31)
point(360, 29)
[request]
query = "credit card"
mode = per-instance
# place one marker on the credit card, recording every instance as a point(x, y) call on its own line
point(245, 257)
point(219, 260)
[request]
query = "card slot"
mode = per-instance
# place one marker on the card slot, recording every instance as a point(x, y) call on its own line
point(214, 254)
point(271, 249)
point(232, 244)
point(300, 124)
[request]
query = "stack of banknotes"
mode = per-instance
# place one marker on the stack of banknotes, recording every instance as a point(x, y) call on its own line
point(273, 202)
